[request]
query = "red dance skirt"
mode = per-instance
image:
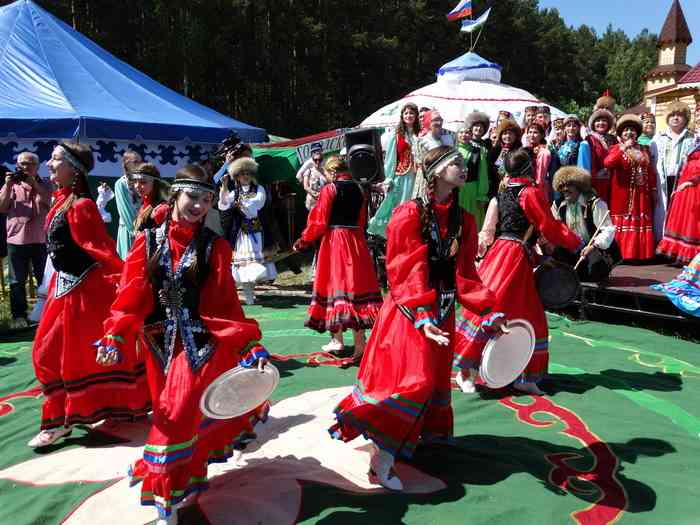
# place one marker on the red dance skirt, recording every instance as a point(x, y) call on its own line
point(403, 390)
point(508, 273)
point(76, 389)
point(182, 442)
point(346, 293)
point(681, 241)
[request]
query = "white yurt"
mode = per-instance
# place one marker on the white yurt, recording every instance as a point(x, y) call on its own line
point(468, 83)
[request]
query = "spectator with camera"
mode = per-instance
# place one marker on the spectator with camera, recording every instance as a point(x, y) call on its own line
point(26, 199)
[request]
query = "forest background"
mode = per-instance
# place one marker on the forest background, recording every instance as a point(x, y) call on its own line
point(296, 67)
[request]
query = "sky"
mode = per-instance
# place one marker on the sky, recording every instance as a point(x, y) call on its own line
point(629, 15)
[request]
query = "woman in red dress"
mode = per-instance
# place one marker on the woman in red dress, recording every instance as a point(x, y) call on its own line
point(177, 296)
point(403, 389)
point(681, 241)
point(76, 389)
point(632, 191)
point(600, 139)
point(507, 270)
point(152, 191)
point(346, 294)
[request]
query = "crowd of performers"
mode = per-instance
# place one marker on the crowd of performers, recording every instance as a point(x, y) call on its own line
point(147, 323)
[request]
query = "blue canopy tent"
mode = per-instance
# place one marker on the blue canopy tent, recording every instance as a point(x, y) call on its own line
point(57, 84)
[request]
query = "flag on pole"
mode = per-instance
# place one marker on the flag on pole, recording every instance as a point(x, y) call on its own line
point(463, 10)
point(469, 26)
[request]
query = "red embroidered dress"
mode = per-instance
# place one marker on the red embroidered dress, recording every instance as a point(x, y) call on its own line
point(632, 182)
point(77, 389)
point(508, 272)
point(681, 241)
point(191, 334)
point(346, 293)
point(403, 390)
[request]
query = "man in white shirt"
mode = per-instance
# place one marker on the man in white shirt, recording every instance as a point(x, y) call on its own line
point(583, 212)
point(672, 148)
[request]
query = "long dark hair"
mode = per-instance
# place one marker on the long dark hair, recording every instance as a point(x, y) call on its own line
point(197, 272)
point(155, 197)
point(79, 186)
point(401, 128)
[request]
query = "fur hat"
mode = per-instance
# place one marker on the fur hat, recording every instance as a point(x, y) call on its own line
point(629, 120)
point(508, 124)
point(606, 101)
point(476, 117)
point(544, 110)
point(602, 113)
point(572, 175)
point(504, 114)
point(241, 165)
point(678, 107)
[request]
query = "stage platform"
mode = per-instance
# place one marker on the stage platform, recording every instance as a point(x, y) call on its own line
point(628, 290)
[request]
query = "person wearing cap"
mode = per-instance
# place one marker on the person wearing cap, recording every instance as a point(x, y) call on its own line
point(178, 298)
point(507, 270)
point(128, 203)
point(681, 240)
point(474, 195)
point(400, 166)
point(76, 389)
point(153, 193)
point(600, 139)
point(580, 208)
point(529, 115)
point(346, 293)
point(673, 146)
point(247, 199)
point(632, 191)
point(403, 392)
point(312, 175)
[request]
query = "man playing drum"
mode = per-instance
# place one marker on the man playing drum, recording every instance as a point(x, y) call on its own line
point(585, 213)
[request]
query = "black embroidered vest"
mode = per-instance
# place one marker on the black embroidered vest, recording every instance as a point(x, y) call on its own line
point(347, 205)
point(71, 263)
point(511, 216)
point(442, 257)
point(176, 300)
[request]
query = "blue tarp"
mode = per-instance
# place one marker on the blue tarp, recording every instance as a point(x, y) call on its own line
point(56, 83)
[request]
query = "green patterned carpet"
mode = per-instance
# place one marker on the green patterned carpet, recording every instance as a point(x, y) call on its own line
point(616, 440)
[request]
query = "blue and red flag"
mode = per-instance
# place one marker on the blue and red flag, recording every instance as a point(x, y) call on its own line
point(463, 10)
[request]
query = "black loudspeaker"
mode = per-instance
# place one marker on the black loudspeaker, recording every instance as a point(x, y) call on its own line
point(364, 155)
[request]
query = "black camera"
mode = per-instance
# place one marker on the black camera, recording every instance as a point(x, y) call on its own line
point(230, 144)
point(17, 176)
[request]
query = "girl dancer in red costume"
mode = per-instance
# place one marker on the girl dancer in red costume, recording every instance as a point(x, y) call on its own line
point(76, 389)
point(507, 270)
point(346, 293)
point(178, 297)
point(403, 389)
